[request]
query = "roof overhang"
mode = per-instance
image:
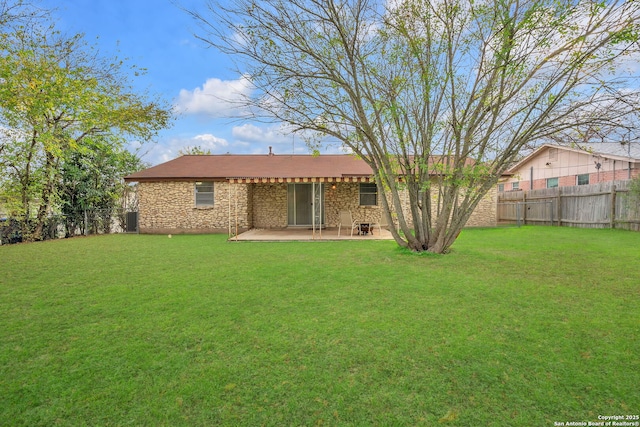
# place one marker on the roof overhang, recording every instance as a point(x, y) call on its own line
point(274, 180)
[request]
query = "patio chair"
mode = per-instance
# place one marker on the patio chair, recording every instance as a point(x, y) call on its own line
point(346, 220)
point(380, 224)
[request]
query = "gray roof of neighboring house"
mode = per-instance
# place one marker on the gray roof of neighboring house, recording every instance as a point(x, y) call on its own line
point(614, 149)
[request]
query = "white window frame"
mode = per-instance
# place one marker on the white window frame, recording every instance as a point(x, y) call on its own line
point(557, 182)
point(202, 198)
point(583, 175)
point(367, 194)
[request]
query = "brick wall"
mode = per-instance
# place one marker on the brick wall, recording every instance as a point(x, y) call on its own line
point(617, 175)
point(572, 180)
point(524, 186)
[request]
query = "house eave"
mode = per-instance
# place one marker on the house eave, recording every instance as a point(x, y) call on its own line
point(257, 180)
point(271, 180)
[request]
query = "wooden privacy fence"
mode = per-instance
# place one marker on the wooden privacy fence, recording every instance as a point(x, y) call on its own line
point(603, 205)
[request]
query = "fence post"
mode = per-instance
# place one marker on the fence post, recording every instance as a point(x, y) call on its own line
point(559, 206)
point(612, 210)
point(524, 203)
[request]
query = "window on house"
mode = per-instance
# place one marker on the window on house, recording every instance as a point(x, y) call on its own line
point(552, 182)
point(515, 186)
point(204, 193)
point(500, 188)
point(368, 194)
point(583, 179)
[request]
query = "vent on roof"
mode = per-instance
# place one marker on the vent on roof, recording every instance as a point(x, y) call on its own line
point(270, 152)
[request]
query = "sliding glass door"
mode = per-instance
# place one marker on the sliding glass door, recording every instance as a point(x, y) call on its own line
point(305, 204)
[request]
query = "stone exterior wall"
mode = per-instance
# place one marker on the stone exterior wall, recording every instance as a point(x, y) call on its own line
point(269, 205)
point(346, 196)
point(485, 214)
point(169, 207)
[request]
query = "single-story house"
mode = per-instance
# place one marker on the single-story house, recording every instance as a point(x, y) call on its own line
point(234, 193)
point(559, 166)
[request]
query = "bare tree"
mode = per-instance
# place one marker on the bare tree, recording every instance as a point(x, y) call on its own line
point(438, 97)
point(14, 13)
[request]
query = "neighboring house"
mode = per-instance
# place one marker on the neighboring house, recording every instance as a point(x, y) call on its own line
point(557, 166)
point(220, 193)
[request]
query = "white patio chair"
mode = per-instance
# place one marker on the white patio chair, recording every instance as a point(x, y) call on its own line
point(346, 220)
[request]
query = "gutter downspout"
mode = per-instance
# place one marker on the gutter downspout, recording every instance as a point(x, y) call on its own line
point(531, 179)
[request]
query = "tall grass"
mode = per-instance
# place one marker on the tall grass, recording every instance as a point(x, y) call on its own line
point(516, 327)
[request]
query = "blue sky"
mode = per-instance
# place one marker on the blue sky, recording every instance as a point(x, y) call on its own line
point(159, 36)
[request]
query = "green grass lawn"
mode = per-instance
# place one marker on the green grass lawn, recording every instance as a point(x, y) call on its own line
point(516, 327)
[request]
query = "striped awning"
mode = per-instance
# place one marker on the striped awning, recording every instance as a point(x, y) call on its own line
point(274, 180)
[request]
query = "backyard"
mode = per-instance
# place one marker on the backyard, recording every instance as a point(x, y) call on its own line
point(531, 326)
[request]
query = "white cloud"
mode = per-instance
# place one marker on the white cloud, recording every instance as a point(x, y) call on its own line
point(282, 140)
point(210, 142)
point(169, 149)
point(216, 97)
point(249, 138)
point(275, 134)
point(278, 136)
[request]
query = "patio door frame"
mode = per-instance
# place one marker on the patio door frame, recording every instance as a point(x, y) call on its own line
point(315, 216)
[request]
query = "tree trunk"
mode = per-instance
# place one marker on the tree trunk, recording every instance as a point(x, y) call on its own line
point(45, 198)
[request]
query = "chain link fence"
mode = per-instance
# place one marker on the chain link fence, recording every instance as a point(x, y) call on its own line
point(89, 222)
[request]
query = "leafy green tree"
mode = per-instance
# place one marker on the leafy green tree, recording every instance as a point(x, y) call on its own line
point(92, 188)
point(59, 97)
point(196, 150)
point(438, 97)
point(634, 193)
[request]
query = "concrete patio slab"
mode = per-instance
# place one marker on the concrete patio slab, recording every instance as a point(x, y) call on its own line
point(304, 234)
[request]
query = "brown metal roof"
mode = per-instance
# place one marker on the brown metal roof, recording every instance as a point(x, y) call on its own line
point(228, 166)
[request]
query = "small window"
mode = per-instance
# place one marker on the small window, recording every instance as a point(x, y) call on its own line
point(500, 188)
point(515, 186)
point(204, 193)
point(583, 179)
point(552, 182)
point(368, 194)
